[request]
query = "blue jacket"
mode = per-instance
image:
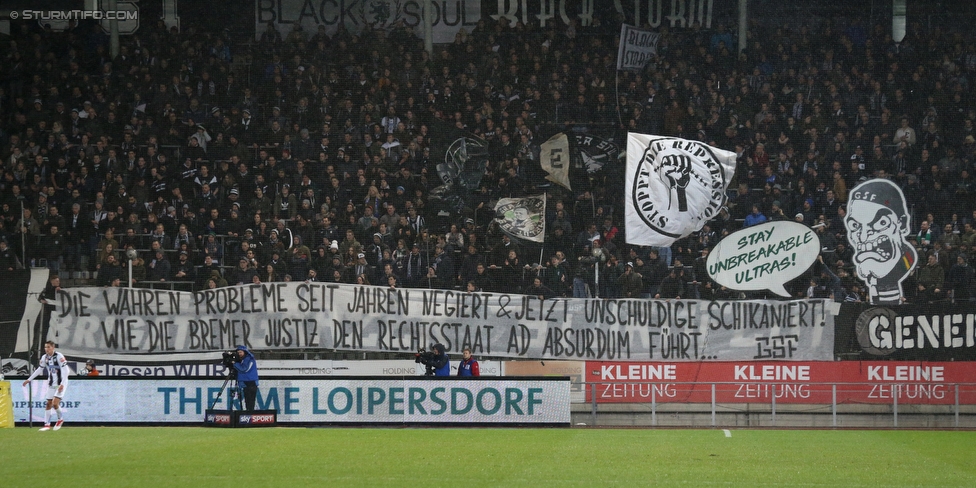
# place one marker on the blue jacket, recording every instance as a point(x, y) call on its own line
point(442, 364)
point(469, 367)
point(247, 368)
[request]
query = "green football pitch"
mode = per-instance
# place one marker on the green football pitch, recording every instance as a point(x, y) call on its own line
point(192, 457)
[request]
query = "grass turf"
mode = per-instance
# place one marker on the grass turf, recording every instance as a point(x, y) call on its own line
point(190, 457)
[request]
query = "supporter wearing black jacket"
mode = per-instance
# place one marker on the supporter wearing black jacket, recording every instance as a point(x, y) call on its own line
point(109, 271)
point(159, 269)
point(8, 260)
point(184, 269)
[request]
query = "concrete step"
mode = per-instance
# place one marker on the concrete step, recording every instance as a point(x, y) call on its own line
point(73, 283)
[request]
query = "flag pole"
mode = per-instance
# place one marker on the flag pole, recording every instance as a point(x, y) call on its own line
point(23, 238)
point(542, 249)
point(616, 87)
point(596, 278)
point(30, 384)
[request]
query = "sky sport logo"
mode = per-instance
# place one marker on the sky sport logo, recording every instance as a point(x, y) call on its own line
point(122, 15)
point(256, 419)
point(219, 419)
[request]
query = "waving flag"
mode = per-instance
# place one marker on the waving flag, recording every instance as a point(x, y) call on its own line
point(555, 158)
point(21, 326)
point(673, 187)
point(464, 156)
point(637, 47)
point(522, 218)
point(595, 152)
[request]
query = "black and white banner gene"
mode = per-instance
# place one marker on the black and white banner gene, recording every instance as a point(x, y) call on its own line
point(673, 187)
point(146, 325)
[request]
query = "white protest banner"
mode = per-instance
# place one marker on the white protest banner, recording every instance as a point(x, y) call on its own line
point(358, 16)
point(139, 325)
point(320, 400)
point(554, 159)
point(637, 47)
point(673, 187)
point(763, 257)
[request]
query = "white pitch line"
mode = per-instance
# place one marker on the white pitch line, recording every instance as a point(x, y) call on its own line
point(728, 433)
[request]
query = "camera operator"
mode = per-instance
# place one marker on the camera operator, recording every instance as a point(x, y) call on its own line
point(436, 361)
point(247, 376)
point(440, 361)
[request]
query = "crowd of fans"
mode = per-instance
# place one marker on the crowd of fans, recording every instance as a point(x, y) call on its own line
point(305, 156)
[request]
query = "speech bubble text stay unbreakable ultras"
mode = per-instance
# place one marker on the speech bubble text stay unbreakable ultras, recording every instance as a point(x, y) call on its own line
point(764, 257)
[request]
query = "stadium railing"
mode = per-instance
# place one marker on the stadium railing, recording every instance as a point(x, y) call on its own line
point(778, 404)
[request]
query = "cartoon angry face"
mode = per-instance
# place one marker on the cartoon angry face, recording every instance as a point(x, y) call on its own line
point(877, 235)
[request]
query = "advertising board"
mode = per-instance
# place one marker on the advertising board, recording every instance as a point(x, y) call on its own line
point(878, 382)
point(313, 401)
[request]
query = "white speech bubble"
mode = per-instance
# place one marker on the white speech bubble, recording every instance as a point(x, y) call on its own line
point(764, 256)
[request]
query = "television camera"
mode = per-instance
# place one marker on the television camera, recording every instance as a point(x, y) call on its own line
point(426, 358)
point(227, 359)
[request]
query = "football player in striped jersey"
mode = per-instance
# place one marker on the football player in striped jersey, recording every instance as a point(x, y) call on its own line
point(58, 371)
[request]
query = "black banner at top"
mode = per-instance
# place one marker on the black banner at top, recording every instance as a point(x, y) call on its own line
point(13, 300)
point(925, 332)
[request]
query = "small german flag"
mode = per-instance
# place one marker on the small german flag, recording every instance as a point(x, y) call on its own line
point(908, 259)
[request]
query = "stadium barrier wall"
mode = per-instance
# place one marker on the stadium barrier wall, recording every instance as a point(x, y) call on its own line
point(350, 400)
point(865, 382)
point(842, 394)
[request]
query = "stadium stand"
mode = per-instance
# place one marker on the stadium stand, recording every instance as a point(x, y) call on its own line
point(214, 160)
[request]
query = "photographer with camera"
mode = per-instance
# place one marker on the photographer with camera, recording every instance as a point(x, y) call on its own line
point(246, 368)
point(436, 361)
